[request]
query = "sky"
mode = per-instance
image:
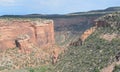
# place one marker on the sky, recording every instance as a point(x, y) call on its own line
point(22, 7)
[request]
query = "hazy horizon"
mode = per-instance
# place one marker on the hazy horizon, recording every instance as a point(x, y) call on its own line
point(22, 7)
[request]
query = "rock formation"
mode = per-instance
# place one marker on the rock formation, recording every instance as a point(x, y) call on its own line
point(87, 33)
point(23, 33)
point(83, 37)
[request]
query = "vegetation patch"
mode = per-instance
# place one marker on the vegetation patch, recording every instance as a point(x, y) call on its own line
point(92, 56)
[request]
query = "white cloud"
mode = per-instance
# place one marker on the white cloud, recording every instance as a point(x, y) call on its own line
point(7, 2)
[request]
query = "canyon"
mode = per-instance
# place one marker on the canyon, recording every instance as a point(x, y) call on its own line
point(48, 40)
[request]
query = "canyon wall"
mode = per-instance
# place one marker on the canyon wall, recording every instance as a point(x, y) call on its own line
point(70, 24)
point(88, 32)
point(24, 33)
point(68, 30)
point(83, 37)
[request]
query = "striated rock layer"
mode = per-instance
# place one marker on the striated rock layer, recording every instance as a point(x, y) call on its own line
point(24, 33)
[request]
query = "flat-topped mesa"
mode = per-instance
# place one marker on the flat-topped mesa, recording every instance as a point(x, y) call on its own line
point(17, 32)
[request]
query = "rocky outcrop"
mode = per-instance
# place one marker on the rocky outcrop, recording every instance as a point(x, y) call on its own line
point(100, 23)
point(109, 20)
point(83, 37)
point(87, 33)
point(110, 37)
point(24, 33)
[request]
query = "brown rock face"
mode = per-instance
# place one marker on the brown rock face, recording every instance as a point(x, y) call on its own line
point(87, 33)
point(100, 23)
point(83, 37)
point(22, 33)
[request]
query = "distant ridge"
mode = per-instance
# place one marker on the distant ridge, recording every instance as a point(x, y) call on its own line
point(92, 12)
point(110, 9)
point(113, 9)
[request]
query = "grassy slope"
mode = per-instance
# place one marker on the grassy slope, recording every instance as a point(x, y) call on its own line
point(94, 54)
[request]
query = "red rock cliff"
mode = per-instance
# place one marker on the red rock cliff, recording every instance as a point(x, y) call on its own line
point(23, 33)
point(87, 33)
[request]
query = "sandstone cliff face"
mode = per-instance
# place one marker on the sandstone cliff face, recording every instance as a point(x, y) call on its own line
point(87, 33)
point(23, 33)
point(83, 37)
